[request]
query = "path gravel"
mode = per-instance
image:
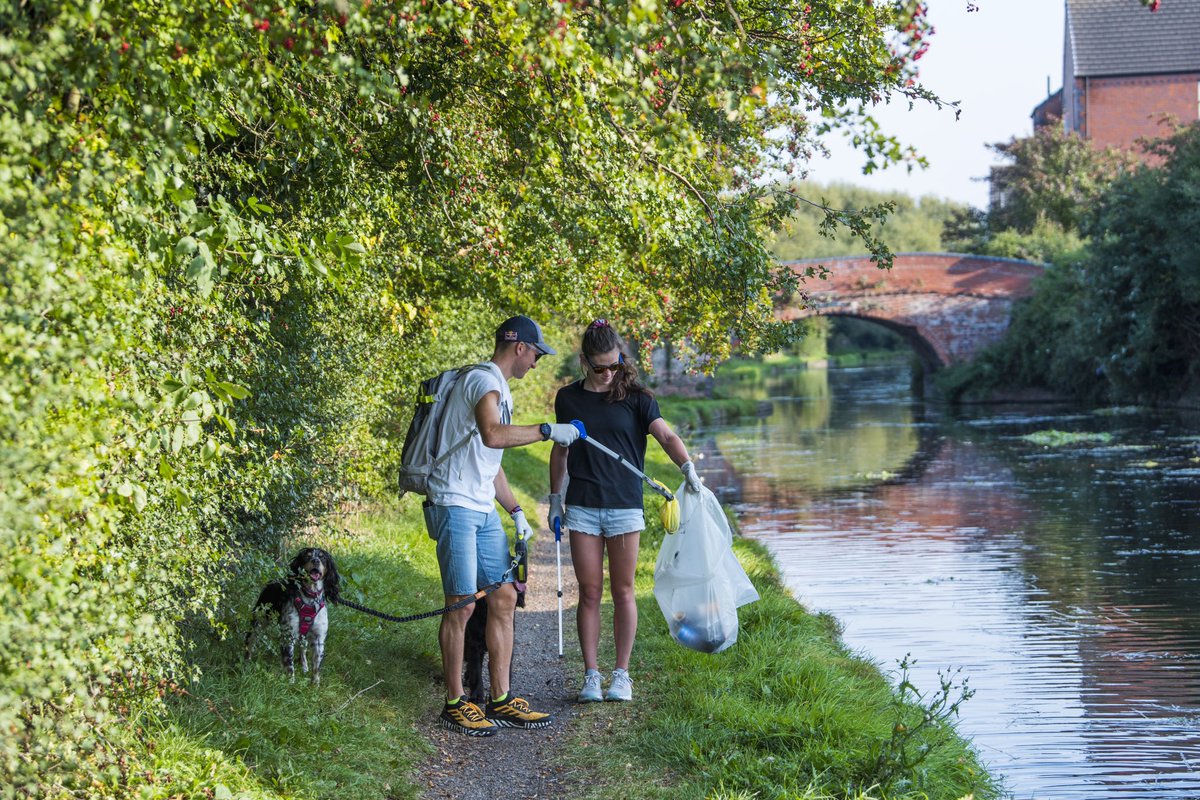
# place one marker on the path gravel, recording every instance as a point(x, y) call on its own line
point(514, 763)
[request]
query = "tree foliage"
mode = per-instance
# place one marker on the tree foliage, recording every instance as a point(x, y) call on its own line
point(1051, 177)
point(1050, 182)
point(232, 234)
point(1142, 277)
point(912, 225)
point(1114, 320)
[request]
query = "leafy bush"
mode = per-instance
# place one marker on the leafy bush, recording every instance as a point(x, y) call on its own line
point(234, 235)
point(1142, 279)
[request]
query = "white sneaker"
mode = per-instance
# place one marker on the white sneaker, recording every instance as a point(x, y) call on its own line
point(590, 693)
point(621, 687)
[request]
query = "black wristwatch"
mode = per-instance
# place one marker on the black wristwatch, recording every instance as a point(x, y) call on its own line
point(545, 429)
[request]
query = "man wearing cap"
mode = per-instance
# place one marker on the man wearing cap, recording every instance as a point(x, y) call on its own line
point(472, 547)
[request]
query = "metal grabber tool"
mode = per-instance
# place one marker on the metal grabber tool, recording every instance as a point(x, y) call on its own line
point(669, 513)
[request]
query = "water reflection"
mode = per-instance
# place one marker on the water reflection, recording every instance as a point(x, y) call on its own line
point(1063, 581)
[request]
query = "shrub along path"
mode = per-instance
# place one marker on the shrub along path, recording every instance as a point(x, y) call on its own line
point(513, 763)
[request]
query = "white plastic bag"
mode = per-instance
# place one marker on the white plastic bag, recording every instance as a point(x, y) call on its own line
point(698, 581)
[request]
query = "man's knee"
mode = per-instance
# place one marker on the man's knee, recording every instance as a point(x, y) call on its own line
point(458, 617)
point(503, 599)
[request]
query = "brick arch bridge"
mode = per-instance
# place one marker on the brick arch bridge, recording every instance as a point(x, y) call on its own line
point(948, 306)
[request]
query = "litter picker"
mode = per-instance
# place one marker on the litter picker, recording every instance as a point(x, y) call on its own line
point(669, 513)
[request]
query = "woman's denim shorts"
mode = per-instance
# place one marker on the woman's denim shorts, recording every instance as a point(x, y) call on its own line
point(472, 548)
point(606, 522)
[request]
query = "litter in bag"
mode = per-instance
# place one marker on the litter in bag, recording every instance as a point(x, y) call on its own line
point(698, 582)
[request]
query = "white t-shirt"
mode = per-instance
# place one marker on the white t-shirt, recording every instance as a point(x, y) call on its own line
point(467, 477)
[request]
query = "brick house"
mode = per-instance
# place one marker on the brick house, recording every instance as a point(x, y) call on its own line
point(1125, 67)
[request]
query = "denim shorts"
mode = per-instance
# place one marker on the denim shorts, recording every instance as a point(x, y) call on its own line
point(605, 522)
point(472, 548)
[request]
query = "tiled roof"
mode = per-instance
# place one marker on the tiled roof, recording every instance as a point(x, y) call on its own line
point(1123, 37)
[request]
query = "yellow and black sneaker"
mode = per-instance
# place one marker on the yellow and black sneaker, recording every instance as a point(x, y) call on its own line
point(514, 712)
point(465, 717)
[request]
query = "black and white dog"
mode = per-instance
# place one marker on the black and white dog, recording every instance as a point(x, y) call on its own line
point(298, 601)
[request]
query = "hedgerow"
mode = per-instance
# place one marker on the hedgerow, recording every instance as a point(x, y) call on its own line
point(233, 235)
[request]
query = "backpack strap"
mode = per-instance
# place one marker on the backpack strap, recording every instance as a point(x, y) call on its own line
point(441, 459)
point(437, 462)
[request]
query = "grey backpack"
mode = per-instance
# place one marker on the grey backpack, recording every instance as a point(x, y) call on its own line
point(423, 449)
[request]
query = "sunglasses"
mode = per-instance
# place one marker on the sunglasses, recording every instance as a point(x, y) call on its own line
point(601, 369)
point(537, 354)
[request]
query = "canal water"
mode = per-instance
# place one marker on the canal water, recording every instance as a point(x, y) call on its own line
point(1050, 556)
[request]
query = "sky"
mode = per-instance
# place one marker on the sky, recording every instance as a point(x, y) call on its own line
point(995, 61)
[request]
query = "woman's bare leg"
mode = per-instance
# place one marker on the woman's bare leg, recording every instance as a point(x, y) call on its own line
point(587, 555)
point(622, 565)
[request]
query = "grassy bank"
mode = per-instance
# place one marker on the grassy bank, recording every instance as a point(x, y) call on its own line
point(742, 370)
point(687, 413)
point(787, 712)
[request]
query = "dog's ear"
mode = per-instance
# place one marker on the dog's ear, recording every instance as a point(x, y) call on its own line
point(298, 563)
point(333, 581)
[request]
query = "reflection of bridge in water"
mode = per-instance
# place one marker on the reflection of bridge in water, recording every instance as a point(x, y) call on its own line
point(948, 306)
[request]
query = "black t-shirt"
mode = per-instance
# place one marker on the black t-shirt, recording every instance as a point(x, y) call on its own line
point(597, 480)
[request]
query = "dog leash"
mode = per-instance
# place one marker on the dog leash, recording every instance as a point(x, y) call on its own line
point(466, 601)
point(437, 612)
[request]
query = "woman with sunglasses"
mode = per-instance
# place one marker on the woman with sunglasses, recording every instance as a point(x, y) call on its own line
point(603, 503)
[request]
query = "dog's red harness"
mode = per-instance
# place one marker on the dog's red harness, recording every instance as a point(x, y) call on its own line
point(308, 611)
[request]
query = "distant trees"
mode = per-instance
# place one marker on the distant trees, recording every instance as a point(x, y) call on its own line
point(911, 224)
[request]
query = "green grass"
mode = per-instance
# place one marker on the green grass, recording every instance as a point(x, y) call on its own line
point(787, 712)
point(753, 370)
point(244, 728)
point(869, 357)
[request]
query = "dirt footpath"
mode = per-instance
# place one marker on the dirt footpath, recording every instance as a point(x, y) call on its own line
point(515, 763)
